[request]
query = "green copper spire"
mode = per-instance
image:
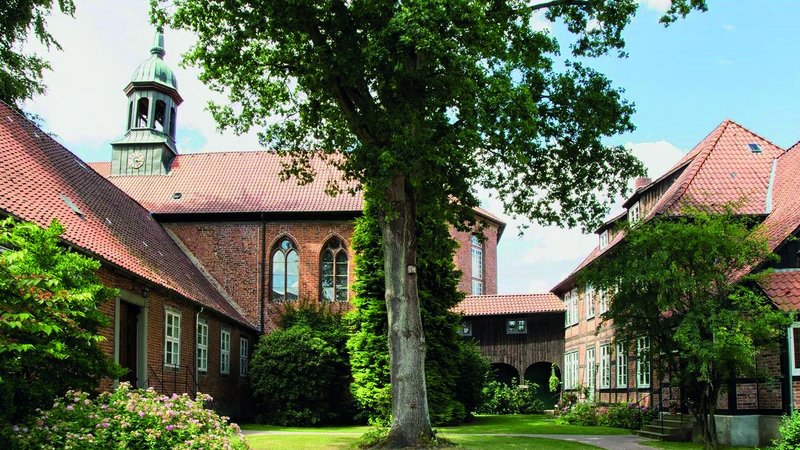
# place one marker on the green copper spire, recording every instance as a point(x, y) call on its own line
point(158, 45)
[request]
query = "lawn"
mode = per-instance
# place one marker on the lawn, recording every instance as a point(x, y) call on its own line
point(469, 436)
point(684, 446)
point(317, 441)
point(525, 424)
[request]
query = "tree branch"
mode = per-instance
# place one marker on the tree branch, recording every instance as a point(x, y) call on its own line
point(553, 3)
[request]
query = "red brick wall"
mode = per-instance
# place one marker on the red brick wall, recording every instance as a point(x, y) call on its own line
point(230, 392)
point(463, 259)
point(231, 253)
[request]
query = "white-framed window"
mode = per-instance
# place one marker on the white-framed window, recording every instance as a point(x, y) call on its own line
point(516, 326)
point(605, 366)
point(591, 369)
point(571, 303)
point(643, 362)
point(588, 294)
point(172, 338)
point(244, 353)
point(477, 265)
point(465, 329)
point(633, 213)
point(622, 365)
point(603, 297)
point(603, 239)
point(794, 347)
point(202, 346)
point(571, 370)
point(225, 352)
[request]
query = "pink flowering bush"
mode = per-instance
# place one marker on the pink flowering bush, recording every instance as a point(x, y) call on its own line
point(129, 419)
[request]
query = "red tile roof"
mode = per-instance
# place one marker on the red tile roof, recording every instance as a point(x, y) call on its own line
point(492, 305)
point(783, 287)
point(233, 182)
point(38, 176)
point(720, 170)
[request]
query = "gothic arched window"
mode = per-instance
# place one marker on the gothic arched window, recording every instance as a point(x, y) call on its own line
point(285, 272)
point(160, 116)
point(334, 272)
point(172, 122)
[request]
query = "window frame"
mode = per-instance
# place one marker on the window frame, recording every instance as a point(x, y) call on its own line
point(202, 348)
point(571, 367)
point(622, 361)
point(476, 265)
point(643, 360)
point(792, 344)
point(634, 213)
point(170, 340)
point(244, 356)
point(590, 367)
point(286, 252)
point(516, 323)
point(604, 238)
point(224, 352)
point(605, 366)
point(588, 294)
point(334, 254)
point(465, 329)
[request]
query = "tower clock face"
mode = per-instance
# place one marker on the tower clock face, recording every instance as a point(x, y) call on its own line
point(136, 160)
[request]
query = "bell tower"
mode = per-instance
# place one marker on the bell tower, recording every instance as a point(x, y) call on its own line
point(148, 146)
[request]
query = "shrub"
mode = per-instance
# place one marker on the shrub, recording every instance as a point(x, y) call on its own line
point(300, 374)
point(584, 413)
point(789, 432)
point(631, 416)
point(49, 320)
point(501, 398)
point(131, 419)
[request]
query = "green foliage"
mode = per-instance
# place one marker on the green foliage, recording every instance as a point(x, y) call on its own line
point(20, 73)
point(789, 434)
point(621, 415)
point(679, 280)
point(131, 419)
point(617, 415)
point(454, 369)
point(49, 320)
point(300, 373)
point(554, 383)
point(500, 398)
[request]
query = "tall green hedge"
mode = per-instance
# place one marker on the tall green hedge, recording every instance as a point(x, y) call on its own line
point(454, 368)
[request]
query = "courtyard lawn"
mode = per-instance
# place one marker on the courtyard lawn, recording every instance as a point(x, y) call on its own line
point(525, 424)
point(327, 442)
point(684, 446)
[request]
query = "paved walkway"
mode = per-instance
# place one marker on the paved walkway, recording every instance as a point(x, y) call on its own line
point(610, 442)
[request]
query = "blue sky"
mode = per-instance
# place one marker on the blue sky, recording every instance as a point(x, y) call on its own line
point(741, 61)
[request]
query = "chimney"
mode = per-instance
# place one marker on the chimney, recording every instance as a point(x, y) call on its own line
point(641, 182)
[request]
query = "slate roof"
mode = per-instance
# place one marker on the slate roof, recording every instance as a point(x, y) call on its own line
point(232, 182)
point(38, 180)
point(720, 170)
point(493, 305)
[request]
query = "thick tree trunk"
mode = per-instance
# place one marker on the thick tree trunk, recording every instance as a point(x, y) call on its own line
point(410, 420)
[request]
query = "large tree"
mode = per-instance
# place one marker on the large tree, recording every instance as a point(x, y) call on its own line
point(21, 72)
point(684, 283)
point(419, 102)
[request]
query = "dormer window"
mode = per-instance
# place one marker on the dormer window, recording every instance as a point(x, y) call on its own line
point(633, 213)
point(603, 239)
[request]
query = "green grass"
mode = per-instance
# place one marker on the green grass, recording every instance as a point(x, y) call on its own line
point(326, 429)
point(328, 442)
point(682, 445)
point(525, 424)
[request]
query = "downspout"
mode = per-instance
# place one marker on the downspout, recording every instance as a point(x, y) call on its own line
point(790, 368)
point(262, 294)
point(196, 369)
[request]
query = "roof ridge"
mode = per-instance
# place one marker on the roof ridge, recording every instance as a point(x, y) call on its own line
point(757, 135)
point(704, 154)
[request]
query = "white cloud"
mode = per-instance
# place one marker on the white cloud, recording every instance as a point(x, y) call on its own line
point(728, 27)
point(102, 46)
point(657, 5)
point(657, 157)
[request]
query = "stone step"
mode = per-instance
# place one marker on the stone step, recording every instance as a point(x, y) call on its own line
point(666, 429)
point(652, 435)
